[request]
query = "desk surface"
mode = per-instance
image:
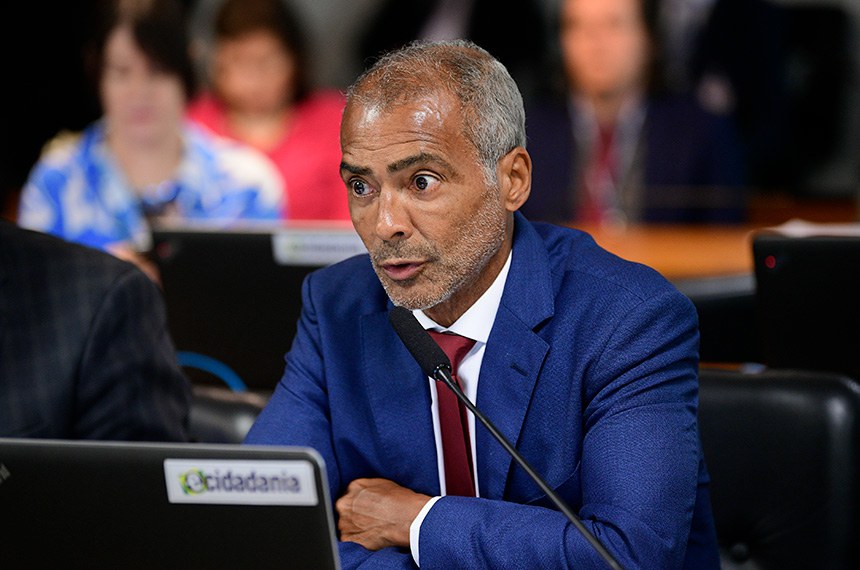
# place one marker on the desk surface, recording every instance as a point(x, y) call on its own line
point(681, 252)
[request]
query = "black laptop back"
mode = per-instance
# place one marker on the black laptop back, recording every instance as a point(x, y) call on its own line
point(141, 505)
point(234, 297)
point(808, 301)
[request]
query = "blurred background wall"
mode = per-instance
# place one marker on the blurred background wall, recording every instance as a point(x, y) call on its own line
point(46, 91)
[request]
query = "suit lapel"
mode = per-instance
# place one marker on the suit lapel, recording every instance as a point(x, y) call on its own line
point(400, 405)
point(514, 356)
point(400, 397)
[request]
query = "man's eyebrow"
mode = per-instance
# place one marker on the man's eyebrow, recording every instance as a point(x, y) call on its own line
point(423, 157)
point(353, 169)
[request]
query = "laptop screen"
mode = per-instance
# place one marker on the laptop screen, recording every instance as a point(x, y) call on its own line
point(163, 505)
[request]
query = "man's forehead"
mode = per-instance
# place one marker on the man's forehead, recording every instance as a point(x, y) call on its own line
point(431, 106)
point(423, 119)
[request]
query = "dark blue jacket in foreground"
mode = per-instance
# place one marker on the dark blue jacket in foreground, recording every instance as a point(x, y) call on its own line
point(85, 351)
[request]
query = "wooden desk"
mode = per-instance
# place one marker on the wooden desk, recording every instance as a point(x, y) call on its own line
point(681, 252)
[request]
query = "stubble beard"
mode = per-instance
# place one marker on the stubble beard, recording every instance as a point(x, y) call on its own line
point(450, 271)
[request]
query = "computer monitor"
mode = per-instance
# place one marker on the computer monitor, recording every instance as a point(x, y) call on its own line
point(808, 299)
point(163, 505)
point(233, 296)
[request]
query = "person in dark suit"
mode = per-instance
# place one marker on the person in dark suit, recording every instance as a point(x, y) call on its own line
point(617, 148)
point(587, 362)
point(84, 347)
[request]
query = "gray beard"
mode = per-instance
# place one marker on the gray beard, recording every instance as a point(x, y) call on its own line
point(480, 240)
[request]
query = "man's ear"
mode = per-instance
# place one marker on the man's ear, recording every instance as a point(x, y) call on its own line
point(515, 178)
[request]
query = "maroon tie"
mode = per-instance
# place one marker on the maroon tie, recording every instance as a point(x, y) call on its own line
point(456, 447)
point(597, 179)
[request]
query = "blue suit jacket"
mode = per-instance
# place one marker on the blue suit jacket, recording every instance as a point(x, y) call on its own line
point(590, 369)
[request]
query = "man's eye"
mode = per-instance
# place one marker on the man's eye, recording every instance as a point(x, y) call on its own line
point(359, 187)
point(424, 181)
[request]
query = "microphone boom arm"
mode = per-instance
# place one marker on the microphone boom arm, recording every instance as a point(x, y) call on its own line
point(435, 364)
point(443, 374)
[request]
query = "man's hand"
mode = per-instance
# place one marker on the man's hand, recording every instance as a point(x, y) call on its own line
point(377, 513)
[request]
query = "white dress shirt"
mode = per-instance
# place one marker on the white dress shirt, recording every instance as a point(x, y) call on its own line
point(476, 324)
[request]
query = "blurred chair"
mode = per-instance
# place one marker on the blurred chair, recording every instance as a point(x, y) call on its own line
point(221, 415)
point(781, 448)
point(727, 318)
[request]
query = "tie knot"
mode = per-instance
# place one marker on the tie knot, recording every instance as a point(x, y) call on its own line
point(454, 345)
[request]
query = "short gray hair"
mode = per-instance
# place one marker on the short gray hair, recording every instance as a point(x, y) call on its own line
point(491, 105)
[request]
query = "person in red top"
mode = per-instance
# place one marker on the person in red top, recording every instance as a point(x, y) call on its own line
point(259, 93)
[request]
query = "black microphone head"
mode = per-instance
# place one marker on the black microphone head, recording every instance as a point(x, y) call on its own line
point(421, 346)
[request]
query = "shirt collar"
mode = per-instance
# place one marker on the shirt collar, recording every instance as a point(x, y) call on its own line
point(477, 322)
point(631, 113)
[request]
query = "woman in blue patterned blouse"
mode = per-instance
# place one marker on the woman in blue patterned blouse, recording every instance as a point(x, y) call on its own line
point(142, 161)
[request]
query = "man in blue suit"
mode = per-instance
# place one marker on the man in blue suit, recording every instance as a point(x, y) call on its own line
point(586, 362)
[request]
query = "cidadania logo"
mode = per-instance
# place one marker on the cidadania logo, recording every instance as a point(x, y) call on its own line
point(197, 481)
point(253, 482)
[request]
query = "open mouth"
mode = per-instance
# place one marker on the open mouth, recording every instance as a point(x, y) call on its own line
point(400, 271)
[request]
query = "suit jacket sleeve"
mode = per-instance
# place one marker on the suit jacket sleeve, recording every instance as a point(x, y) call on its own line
point(130, 385)
point(638, 471)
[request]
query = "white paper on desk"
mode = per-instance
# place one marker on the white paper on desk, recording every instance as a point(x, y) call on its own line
point(804, 228)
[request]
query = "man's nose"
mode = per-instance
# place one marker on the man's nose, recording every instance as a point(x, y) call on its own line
point(392, 217)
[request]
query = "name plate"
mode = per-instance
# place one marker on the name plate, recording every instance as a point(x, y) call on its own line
point(240, 482)
point(315, 247)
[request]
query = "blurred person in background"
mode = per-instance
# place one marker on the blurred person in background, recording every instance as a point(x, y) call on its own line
point(614, 148)
point(142, 161)
point(259, 93)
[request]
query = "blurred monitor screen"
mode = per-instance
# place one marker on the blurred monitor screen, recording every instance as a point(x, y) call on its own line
point(234, 297)
point(808, 299)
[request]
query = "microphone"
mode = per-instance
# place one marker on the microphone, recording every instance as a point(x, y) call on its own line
point(436, 364)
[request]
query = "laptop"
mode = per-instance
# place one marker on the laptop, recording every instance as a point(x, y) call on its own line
point(163, 505)
point(233, 296)
point(808, 297)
